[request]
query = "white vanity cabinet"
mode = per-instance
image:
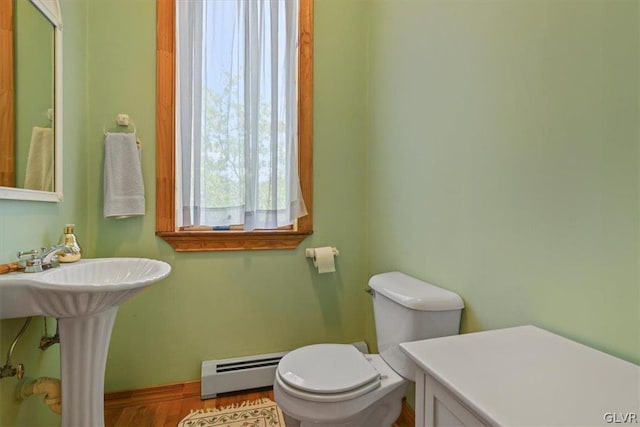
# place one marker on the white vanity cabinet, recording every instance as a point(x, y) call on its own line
point(523, 376)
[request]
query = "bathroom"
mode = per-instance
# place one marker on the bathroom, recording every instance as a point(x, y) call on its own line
point(491, 148)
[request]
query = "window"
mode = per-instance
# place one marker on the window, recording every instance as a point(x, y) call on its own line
point(183, 224)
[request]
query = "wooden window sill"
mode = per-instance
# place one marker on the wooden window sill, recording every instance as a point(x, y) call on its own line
point(203, 241)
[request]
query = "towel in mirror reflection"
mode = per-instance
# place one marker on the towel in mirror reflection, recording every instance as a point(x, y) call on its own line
point(40, 166)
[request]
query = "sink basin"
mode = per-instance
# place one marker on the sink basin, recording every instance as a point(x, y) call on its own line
point(84, 297)
point(79, 289)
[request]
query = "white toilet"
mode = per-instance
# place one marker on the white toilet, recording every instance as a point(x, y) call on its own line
point(336, 385)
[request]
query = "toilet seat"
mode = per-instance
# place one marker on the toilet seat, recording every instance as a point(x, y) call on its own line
point(327, 373)
point(342, 409)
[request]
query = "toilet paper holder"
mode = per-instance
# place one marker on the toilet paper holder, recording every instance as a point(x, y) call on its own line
point(308, 252)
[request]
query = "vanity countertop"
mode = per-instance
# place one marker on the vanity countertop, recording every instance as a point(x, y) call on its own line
point(528, 376)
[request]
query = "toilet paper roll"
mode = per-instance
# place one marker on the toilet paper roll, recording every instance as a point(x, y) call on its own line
point(323, 260)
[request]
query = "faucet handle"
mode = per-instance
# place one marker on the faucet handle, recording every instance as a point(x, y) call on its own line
point(25, 256)
point(32, 253)
point(27, 259)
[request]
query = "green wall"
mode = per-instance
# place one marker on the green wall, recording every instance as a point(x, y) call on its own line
point(27, 225)
point(503, 160)
point(214, 304)
point(217, 305)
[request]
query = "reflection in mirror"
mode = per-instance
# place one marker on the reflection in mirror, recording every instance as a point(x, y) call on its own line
point(7, 131)
point(30, 100)
point(33, 98)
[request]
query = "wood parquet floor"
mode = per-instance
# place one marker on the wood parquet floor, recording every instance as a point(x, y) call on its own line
point(166, 406)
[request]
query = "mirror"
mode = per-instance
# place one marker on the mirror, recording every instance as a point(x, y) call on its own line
point(30, 100)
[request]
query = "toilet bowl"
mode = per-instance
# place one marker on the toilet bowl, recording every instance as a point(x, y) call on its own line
point(342, 387)
point(335, 385)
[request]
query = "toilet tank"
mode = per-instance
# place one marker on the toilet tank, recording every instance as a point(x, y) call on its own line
point(409, 309)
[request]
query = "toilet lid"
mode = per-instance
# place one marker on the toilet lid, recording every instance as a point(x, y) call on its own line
point(327, 368)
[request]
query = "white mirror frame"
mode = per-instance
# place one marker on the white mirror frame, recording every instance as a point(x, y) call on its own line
point(51, 10)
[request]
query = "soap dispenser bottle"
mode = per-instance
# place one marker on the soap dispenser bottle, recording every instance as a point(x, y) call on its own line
point(68, 238)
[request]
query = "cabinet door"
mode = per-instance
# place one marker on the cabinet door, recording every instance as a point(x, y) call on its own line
point(437, 407)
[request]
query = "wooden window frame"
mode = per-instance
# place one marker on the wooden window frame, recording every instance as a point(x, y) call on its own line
point(197, 241)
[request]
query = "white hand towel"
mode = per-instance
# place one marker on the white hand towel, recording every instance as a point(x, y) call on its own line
point(39, 174)
point(123, 186)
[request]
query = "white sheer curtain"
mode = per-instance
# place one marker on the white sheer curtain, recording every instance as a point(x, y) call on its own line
point(237, 127)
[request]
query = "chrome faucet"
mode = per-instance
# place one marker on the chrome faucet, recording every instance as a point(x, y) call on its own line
point(43, 259)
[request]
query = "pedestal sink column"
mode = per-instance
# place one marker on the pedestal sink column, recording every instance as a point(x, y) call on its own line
point(84, 342)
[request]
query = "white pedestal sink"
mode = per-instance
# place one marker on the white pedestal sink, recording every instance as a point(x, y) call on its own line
point(84, 297)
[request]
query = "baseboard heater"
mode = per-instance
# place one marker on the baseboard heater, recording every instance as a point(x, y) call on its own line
point(243, 373)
